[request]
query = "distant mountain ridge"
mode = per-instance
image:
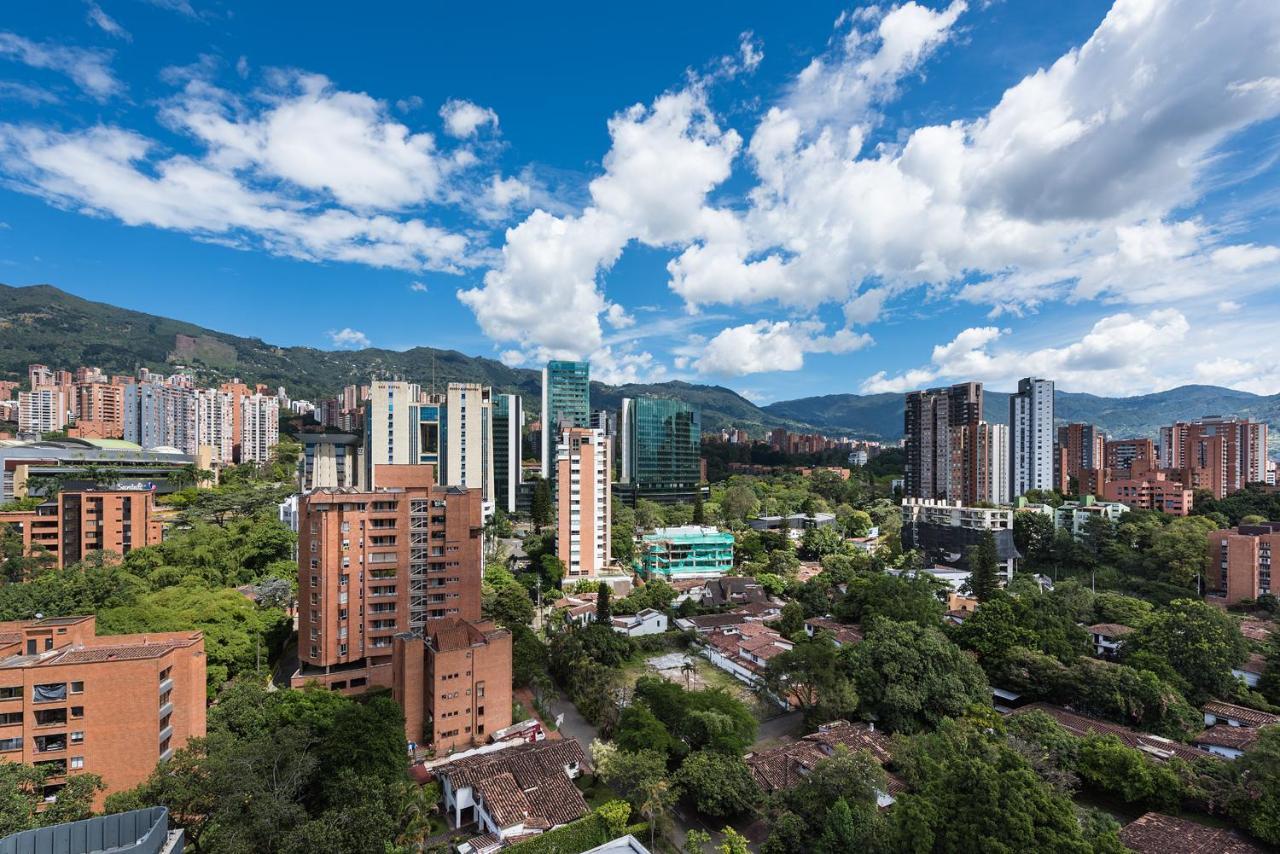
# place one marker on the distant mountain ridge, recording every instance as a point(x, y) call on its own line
point(41, 323)
point(1142, 415)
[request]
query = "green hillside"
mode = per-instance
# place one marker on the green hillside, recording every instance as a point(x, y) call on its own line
point(41, 323)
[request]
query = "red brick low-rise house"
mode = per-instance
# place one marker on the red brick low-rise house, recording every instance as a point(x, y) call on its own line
point(112, 705)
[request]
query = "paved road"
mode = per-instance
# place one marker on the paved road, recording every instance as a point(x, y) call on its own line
point(574, 725)
point(782, 726)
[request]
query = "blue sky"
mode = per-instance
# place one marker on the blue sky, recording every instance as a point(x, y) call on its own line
point(834, 198)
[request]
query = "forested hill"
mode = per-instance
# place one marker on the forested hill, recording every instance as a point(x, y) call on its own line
point(41, 323)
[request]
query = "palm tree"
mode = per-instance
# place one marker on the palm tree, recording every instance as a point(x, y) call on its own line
point(658, 798)
point(688, 669)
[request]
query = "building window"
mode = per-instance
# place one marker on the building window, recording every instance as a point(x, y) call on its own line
point(11, 693)
point(77, 687)
point(77, 737)
point(77, 762)
point(77, 711)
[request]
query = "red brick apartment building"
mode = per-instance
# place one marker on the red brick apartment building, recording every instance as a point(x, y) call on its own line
point(1239, 562)
point(71, 525)
point(82, 704)
point(374, 564)
point(454, 684)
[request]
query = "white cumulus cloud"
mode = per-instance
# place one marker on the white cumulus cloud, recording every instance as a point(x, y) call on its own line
point(772, 346)
point(349, 339)
point(463, 119)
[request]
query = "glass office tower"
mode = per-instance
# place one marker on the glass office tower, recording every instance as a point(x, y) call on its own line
point(566, 402)
point(508, 429)
point(660, 448)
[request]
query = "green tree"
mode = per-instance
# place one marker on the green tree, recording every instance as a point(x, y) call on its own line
point(739, 503)
point(902, 598)
point(839, 832)
point(993, 630)
point(639, 729)
point(813, 676)
point(699, 510)
point(648, 514)
point(1033, 536)
point(717, 784)
point(603, 613)
point(910, 677)
point(984, 569)
point(732, 842)
point(1254, 801)
point(1196, 643)
point(540, 506)
point(817, 543)
point(972, 792)
point(788, 833)
point(22, 804)
point(791, 622)
point(1177, 553)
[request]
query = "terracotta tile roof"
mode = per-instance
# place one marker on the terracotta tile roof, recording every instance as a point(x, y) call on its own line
point(95, 654)
point(1225, 735)
point(485, 843)
point(1157, 833)
point(504, 800)
point(784, 767)
point(452, 635)
point(1111, 630)
point(1079, 725)
point(557, 801)
point(844, 634)
point(529, 764)
point(1244, 714)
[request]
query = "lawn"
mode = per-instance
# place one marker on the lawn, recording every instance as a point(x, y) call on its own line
point(705, 675)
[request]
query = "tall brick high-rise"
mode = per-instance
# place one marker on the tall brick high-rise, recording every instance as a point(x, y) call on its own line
point(1219, 454)
point(932, 466)
point(1081, 449)
point(374, 564)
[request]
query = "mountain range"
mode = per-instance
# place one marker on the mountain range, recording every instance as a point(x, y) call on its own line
point(41, 323)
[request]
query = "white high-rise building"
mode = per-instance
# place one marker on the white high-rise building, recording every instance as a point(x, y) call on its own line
point(259, 427)
point(997, 443)
point(468, 441)
point(1031, 436)
point(390, 425)
point(215, 423)
point(43, 410)
point(582, 501)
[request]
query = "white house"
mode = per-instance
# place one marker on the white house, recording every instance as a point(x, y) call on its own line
point(646, 622)
point(1106, 638)
point(515, 791)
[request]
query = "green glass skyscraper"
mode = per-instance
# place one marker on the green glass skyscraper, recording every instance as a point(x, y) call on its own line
point(660, 448)
point(566, 401)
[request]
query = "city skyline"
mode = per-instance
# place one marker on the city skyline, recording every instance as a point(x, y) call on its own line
point(985, 209)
